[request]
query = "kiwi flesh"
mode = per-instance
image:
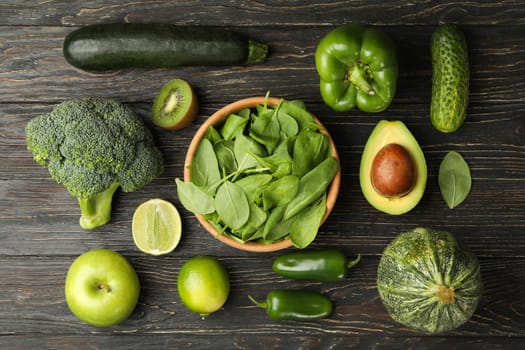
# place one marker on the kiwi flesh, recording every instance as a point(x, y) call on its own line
point(175, 106)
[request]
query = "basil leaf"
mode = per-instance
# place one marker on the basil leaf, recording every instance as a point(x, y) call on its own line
point(232, 205)
point(454, 179)
point(194, 198)
point(306, 224)
point(204, 166)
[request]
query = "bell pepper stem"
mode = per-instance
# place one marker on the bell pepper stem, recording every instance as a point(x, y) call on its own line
point(354, 262)
point(356, 77)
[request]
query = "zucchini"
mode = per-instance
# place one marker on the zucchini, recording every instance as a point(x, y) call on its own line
point(133, 45)
point(450, 78)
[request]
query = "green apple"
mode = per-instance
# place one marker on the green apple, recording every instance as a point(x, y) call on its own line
point(102, 288)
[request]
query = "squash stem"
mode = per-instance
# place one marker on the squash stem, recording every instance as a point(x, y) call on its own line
point(257, 52)
point(445, 295)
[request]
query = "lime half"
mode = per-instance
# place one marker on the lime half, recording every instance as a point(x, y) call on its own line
point(156, 227)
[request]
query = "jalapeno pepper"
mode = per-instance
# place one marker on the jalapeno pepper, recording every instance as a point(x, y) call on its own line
point(295, 305)
point(327, 265)
point(357, 67)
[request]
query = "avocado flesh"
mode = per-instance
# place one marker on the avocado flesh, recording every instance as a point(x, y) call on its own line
point(384, 133)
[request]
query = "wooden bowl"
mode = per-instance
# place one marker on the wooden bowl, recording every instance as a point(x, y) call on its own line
point(218, 118)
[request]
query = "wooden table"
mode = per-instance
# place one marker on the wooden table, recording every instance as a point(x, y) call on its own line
point(40, 235)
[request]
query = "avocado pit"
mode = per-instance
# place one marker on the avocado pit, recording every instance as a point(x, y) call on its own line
point(393, 172)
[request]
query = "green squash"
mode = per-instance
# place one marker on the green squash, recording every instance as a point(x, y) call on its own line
point(428, 282)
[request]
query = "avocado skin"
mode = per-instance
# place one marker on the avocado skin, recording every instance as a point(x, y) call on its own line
point(450, 78)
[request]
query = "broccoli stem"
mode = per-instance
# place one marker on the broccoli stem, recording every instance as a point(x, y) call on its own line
point(96, 211)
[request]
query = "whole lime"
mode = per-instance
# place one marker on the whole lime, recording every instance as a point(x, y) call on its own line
point(203, 285)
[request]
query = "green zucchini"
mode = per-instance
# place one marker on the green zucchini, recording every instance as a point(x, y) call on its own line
point(450, 78)
point(151, 45)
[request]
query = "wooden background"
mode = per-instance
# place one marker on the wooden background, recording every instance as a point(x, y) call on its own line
point(39, 232)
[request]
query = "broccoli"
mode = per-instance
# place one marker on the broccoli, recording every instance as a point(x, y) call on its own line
point(93, 146)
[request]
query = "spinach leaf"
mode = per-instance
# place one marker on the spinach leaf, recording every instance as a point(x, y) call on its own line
point(233, 126)
point(243, 148)
point(225, 156)
point(213, 135)
point(305, 225)
point(274, 218)
point(245, 113)
point(288, 124)
point(257, 218)
point(204, 166)
point(194, 198)
point(280, 192)
point(454, 179)
point(296, 109)
point(254, 185)
point(279, 163)
point(266, 130)
point(311, 186)
point(310, 149)
point(232, 205)
point(279, 231)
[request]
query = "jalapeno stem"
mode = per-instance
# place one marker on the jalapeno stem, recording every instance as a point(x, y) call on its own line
point(354, 262)
point(260, 304)
point(357, 76)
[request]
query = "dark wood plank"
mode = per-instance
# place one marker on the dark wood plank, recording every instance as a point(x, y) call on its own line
point(268, 13)
point(33, 287)
point(255, 342)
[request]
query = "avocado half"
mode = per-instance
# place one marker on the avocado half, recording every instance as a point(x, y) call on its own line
point(384, 133)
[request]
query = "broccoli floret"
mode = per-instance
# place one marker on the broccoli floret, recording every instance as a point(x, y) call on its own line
point(93, 146)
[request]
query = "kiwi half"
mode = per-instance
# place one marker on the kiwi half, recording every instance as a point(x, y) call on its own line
point(175, 106)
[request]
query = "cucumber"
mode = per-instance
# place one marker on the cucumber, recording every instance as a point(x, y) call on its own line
point(151, 45)
point(450, 78)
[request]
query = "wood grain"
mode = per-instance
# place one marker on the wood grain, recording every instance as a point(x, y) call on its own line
point(267, 13)
point(39, 231)
point(35, 286)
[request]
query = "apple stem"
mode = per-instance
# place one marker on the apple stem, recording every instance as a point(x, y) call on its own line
point(104, 287)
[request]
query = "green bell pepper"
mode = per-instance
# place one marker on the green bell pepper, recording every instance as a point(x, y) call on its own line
point(357, 67)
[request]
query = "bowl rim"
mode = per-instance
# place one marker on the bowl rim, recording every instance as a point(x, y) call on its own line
point(215, 119)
